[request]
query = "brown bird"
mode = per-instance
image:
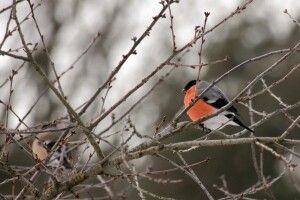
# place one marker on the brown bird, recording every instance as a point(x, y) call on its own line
point(42, 146)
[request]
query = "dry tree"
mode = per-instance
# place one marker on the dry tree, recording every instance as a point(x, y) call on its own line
point(76, 165)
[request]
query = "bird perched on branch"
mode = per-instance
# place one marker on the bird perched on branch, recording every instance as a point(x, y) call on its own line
point(210, 102)
point(42, 146)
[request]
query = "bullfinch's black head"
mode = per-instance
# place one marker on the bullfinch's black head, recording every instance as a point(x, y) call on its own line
point(189, 85)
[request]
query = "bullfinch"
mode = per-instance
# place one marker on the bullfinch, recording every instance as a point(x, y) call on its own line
point(41, 147)
point(212, 100)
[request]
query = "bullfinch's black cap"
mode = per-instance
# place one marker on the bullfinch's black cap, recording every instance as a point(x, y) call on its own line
point(189, 85)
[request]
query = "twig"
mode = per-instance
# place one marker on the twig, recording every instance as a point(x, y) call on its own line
point(287, 131)
point(292, 18)
point(132, 51)
point(194, 176)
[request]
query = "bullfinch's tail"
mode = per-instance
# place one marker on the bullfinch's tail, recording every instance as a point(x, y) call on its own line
point(236, 120)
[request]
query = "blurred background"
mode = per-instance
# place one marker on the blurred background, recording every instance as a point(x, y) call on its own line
point(69, 26)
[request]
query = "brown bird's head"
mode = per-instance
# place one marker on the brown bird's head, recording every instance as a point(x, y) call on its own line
point(39, 146)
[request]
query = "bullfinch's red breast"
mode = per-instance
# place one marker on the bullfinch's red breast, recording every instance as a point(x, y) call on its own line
point(212, 100)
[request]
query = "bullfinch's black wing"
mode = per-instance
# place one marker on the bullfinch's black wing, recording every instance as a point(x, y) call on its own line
point(215, 97)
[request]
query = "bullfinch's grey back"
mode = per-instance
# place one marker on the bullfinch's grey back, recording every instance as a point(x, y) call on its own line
point(213, 94)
